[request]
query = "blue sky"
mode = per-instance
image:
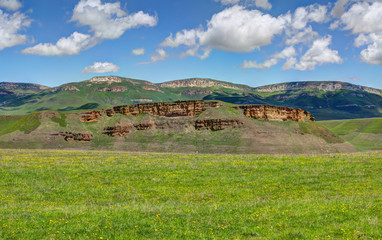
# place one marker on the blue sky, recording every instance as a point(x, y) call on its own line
point(253, 42)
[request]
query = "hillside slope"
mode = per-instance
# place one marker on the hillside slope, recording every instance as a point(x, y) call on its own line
point(191, 126)
point(364, 134)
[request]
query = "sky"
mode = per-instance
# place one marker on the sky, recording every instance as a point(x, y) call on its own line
point(252, 42)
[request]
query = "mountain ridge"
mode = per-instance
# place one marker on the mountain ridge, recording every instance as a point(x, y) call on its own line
point(325, 99)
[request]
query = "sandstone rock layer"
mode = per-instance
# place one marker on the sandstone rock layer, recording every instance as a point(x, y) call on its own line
point(266, 112)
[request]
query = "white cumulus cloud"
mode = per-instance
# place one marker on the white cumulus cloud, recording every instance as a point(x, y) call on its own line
point(237, 29)
point(101, 67)
point(318, 54)
point(234, 29)
point(306, 35)
point(11, 5)
point(258, 3)
point(65, 46)
point(363, 17)
point(160, 55)
point(10, 25)
point(313, 13)
point(373, 53)
point(108, 20)
point(138, 51)
point(265, 65)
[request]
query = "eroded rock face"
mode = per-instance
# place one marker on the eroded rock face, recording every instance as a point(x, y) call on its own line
point(266, 112)
point(107, 79)
point(110, 89)
point(116, 131)
point(80, 137)
point(202, 83)
point(217, 124)
point(167, 109)
point(92, 116)
point(197, 91)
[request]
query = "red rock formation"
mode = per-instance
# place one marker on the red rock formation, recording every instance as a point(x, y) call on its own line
point(167, 109)
point(110, 89)
point(80, 137)
point(92, 116)
point(266, 112)
point(217, 124)
point(116, 131)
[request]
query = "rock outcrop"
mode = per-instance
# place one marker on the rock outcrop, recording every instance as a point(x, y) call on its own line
point(92, 116)
point(197, 92)
point(80, 137)
point(266, 112)
point(217, 124)
point(165, 109)
point(110, 89)
point(116, 131)
point(203, 83)
point(106, 79)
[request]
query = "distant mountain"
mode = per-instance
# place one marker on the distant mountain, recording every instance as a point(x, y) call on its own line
point(326, 100)
point(317, 85)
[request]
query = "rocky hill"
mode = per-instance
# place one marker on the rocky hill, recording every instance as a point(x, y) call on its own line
point(317, 85)
point(326, 100)
point(182, 126)
point(203, 83)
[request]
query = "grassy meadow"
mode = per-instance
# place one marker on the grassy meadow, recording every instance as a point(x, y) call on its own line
point(117, 195)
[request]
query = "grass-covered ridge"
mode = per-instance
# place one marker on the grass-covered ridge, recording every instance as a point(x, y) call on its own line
point(109, 195)
point(365, 134)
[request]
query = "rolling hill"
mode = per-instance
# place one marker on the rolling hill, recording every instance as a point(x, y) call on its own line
point(364, 134)
point(326, 100)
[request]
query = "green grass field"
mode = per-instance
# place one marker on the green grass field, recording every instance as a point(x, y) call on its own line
point(111, 195)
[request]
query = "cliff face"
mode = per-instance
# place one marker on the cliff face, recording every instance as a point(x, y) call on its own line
point(203, 83)
point(320, 85)
point(165, 109)
point(92, 116)
point(25, 86)
point(266, 112)
point(193, 108)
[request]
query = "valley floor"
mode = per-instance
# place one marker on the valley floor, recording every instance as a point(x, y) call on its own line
point(47, 194)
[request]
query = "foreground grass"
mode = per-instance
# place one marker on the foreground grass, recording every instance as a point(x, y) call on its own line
point(107, 195)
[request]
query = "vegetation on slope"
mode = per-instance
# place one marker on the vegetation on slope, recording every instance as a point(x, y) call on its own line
point(109, 195)
point(365, 134)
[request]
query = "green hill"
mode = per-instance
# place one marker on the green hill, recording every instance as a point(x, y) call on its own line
point(364, 134)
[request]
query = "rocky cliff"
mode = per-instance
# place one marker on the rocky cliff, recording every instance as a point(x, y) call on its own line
point(266, 112)
point(318, 85)
point(202, 83)
point(24, 86)
point(165, 109)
